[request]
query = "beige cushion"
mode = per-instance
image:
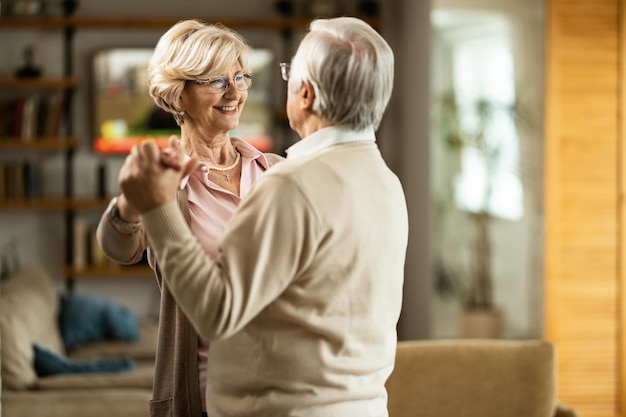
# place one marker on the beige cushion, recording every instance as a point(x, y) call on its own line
point(77, 403)
point(140, 377)
point(472, 378)
point(28, 313)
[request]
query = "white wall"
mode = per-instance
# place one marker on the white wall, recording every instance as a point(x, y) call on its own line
point(408, 31)
point(403, 136)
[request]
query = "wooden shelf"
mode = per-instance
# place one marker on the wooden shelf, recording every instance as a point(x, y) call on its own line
point(33, 22)
point(89, 203)
point(117, 22)
point(45, 204)
point(40, 83)
point(158, 23)
point(135, 271)
point(38, 144)
point(53, 204)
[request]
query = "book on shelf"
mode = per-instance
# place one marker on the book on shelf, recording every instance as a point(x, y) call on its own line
point(31, 117)
point(20, 179)
point(42, 118)
point(3, 181)
point(87, 251)
point(20, 102)
point(32, 180)
point(8, 118)
point(80, 236)
point(97, 258)
point(13, 179)
point(54, 117)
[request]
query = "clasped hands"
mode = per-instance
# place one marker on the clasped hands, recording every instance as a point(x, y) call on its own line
point(150, 176)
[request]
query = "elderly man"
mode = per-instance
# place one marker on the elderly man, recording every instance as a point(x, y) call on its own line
point(302, 303)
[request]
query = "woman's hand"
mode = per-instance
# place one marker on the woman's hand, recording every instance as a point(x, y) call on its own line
point(149, 179)
point(169, 156)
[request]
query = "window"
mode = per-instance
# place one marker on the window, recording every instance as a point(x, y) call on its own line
point(483, 83)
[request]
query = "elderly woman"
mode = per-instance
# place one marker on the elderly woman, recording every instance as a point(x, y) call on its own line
point(199, 73)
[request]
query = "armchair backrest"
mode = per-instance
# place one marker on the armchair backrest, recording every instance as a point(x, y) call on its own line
point(473, 378)
point(29, 308)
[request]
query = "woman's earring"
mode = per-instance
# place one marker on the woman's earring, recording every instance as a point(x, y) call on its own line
point(181, 113)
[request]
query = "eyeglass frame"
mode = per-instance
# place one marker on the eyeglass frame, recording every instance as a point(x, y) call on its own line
point(246, 76)
point(285, 70)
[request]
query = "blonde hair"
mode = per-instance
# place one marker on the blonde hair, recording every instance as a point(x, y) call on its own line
point(189, 50)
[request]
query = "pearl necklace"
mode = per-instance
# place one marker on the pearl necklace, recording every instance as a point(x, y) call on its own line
point(228, 168)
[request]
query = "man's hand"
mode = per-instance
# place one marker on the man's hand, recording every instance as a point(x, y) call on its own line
point(148, 182)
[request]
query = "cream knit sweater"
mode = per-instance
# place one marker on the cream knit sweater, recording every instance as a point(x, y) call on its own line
point(302, 305)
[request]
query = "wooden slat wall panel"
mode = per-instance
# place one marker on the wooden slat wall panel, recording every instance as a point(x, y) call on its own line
point(622, 208)
point(582, 213)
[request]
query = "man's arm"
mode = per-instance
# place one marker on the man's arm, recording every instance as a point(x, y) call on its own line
point(269, 239)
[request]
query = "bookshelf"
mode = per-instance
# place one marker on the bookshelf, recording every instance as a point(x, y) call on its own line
point(36, 125)
point(41, 144)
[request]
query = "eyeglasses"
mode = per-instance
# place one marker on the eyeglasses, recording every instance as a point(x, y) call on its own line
point(241, 81)
point(285, 70)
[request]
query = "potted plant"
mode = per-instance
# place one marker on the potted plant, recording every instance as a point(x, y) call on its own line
point(471, 276)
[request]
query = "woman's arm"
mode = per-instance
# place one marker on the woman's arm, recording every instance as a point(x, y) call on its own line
point(120, 233)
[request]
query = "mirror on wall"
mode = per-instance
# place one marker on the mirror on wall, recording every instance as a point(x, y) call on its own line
point(486, 124)
point(123, 113)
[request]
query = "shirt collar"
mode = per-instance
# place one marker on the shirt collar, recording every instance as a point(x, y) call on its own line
point(329, 136)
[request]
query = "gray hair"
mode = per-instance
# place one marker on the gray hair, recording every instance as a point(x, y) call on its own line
point(189, 50)
point(350, 67)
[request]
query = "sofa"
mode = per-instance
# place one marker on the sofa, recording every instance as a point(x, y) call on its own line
point(475, 378)
point(29, 315)
point(432, 378)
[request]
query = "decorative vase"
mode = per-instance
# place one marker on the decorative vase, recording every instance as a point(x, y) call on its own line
point(481, 324)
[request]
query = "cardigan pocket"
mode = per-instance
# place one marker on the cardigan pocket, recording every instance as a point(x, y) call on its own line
point(161, 408)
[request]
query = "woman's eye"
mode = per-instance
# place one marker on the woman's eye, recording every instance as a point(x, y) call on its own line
point(219, 83)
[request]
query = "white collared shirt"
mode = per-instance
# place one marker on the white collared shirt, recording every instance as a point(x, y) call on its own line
point(329, 136)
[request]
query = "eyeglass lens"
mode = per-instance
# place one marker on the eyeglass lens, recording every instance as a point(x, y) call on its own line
point(242, 82)
point(285, 70)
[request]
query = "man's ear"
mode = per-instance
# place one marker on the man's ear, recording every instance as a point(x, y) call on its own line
point(306, 95)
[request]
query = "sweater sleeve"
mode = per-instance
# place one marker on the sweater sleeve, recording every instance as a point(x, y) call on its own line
point(269, 239)
point(125, 249)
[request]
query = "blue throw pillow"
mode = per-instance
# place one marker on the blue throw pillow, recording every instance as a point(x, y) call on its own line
point(87, 318)
point(49, 363)
point(121, 324)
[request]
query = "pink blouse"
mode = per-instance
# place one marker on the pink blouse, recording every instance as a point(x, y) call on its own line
point(210, 208)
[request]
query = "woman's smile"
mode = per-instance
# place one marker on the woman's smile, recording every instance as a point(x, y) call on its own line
point(226, 108)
